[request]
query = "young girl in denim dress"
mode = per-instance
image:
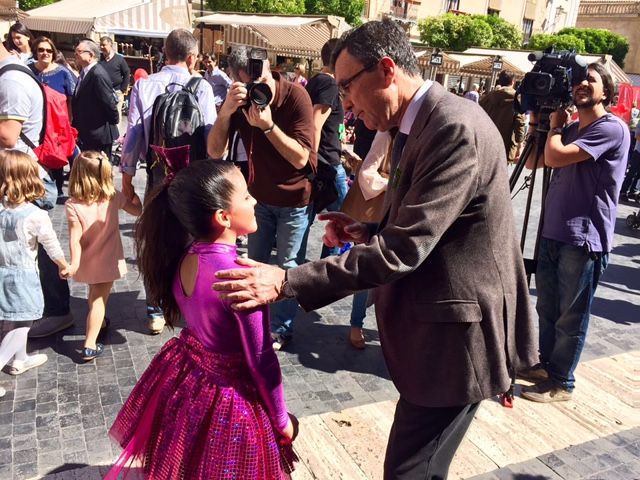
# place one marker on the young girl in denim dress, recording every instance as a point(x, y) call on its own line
point(22, 227)
point(97, 257)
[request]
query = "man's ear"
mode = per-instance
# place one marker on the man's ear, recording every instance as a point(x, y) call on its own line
point(221, 219)
point(389, 68)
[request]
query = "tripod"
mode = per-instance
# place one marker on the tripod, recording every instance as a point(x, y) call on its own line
point(537, 140)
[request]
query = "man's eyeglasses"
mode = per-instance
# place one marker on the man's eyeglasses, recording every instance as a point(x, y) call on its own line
point(343, 87)
point(80, 52)
point(45, 50)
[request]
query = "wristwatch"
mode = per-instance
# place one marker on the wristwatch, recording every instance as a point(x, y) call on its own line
point(557, 130)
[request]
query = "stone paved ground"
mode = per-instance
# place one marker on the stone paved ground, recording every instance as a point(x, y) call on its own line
point(54, 419)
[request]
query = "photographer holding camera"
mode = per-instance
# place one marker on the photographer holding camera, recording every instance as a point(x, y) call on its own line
point(588, 158)
point(275, 120)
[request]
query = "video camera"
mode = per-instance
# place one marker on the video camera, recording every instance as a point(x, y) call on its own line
point(549, 84)
point(259, 93)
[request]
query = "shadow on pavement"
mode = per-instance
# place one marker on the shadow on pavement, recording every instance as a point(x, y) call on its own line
point(325, 347)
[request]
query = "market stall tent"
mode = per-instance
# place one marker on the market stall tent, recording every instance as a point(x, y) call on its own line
point(142, 18)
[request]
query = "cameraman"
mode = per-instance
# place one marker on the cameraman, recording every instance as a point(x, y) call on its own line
point(588, 158)
point(279, 143)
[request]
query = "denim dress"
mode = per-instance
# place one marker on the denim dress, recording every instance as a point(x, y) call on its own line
point(21, 296)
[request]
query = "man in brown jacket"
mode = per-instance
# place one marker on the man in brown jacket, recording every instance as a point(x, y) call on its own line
point(451, 298)
point(499, 106)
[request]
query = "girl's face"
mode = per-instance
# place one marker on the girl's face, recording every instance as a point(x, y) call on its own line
point(44, 52)
point(20, 41)
point(243, 217)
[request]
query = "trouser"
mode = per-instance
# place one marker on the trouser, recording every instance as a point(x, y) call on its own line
point(120, 104)
point(633, 174)
point(423, 440)
point(566, 281)
point(54, 289)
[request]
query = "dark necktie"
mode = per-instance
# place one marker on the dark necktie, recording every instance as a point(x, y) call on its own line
point(79, 81)
point(396, 152)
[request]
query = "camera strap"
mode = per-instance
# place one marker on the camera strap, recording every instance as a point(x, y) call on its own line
point(252, 173)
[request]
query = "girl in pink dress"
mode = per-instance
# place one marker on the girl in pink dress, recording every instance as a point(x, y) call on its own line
point(211, 403)
point(97, 257)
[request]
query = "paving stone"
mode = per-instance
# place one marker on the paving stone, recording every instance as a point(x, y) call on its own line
point(25, 471)
point(20, 442)
point(22, 457)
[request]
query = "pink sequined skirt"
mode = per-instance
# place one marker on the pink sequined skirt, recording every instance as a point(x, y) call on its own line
point(196, 415)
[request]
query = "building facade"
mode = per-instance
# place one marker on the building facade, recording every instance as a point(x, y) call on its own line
point(531, 16)
point(622, 17)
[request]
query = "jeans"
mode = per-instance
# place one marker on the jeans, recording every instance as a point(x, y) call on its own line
point(55, 290)
point(341, 185)
point(566, 280)
point(359, 308)
point(285, 227)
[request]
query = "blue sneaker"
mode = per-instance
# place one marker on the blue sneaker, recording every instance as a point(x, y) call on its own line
point(89, 354)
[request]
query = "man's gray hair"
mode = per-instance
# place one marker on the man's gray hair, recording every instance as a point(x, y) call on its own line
point(239, 60)
point(90, 46)
point(179, 45)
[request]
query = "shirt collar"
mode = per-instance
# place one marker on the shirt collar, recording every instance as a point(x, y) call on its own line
point(86, 69)
point(413, 108)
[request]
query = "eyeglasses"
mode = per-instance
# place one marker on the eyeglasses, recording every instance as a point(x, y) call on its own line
point(343, 87)
point(45, 50)
point(80, 52)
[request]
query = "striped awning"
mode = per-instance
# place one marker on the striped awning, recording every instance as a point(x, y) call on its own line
point(449, 64)
point(301, 36)
point(148, 18)
point(484, 68)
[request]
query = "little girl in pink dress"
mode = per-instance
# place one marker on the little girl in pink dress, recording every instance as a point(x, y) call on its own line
point(211, 403)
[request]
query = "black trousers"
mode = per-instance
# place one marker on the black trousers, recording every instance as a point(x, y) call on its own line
point(423, 440)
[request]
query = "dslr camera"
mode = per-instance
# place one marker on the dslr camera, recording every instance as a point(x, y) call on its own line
point(549, 84)
point(259, 93)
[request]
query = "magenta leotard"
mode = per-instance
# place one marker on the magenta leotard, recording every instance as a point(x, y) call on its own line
point(224, 330)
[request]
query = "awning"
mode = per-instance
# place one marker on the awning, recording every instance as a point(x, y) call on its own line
point(148, 18)
point(298, 36)
point(484, 68)
point(449, 64)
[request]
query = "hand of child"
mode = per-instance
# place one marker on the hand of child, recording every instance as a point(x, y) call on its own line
point(290, 432)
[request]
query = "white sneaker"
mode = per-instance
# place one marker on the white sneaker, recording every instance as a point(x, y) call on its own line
point(155, 324)
point(3, 392)
point(16, 367)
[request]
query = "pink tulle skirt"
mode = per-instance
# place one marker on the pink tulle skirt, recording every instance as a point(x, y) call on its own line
point(196, 415)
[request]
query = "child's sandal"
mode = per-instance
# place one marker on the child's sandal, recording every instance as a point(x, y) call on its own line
point(89, 353)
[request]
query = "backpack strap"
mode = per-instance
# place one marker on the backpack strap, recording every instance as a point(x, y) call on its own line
point(27, 71)
point(192, 85)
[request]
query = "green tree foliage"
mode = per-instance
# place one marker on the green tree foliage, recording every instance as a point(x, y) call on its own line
point(31, 4)
point(351, 10)
point(505, 34)
point(459, 32)
point(543, 41)
point(455, 32)
point(598, 40)
point(295, 7)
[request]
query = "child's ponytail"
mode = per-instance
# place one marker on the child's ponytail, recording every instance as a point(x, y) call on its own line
point(160, 241)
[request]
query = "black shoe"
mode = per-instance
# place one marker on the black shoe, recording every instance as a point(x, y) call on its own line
point(89, 354)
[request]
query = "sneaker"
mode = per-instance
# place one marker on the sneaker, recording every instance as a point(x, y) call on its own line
point(89, 354)
point(279, 341)
point(46, 326)
point(3, 392)
point(537, 373)
point(546, 392)
point(17, 367)
point(155, 324)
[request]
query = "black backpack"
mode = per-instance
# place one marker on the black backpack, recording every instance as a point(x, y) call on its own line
point(176, 121)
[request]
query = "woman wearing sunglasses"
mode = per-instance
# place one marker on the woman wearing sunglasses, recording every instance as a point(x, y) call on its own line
point(56, 77)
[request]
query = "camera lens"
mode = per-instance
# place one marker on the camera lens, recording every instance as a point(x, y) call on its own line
point(260, 94)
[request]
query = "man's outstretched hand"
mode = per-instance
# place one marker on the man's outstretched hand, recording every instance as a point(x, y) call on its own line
point(342, 229)
point(250, 287)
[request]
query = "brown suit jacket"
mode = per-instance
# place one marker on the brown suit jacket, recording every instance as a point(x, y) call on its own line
point(451, 298)
point(499, 106)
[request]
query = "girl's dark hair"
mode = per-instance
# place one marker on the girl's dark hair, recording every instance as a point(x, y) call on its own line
point(22, 30)
point(177, 213)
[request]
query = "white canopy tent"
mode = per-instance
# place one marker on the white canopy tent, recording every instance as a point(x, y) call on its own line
point(142, 18)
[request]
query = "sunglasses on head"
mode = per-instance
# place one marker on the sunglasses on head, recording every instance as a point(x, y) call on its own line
point(45, 50)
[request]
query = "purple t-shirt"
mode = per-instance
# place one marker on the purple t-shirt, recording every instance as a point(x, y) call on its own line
point(583, 197)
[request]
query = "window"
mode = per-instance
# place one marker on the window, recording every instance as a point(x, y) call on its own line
point(493, 12)
point(453, 5)
point(527, 29)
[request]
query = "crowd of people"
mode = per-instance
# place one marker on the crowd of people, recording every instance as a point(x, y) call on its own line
point(425, 233)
